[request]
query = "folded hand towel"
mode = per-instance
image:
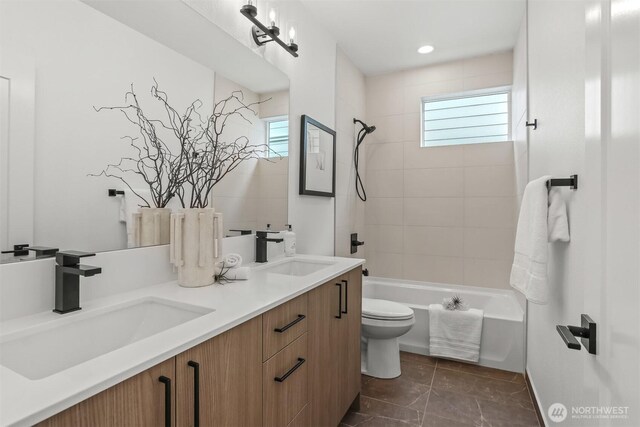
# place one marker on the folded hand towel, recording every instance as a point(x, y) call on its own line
point(557, 222)
point(529, 270)
point(455, 334)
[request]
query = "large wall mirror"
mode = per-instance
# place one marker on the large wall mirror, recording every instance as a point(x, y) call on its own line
point(63, 61)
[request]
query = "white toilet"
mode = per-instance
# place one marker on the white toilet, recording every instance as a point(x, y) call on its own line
point(382, 323)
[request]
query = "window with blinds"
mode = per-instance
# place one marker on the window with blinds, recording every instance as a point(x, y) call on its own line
point(278, 137)
point(466, 119)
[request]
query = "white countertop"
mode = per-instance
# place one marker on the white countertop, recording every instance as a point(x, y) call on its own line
point(25, 402)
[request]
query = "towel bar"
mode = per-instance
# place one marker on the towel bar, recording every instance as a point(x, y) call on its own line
point(571, 182)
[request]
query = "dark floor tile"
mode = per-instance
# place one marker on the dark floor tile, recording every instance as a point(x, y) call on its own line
point(483, 388)
point(459, 408)
point(481, 371)
point(501, 415)
point(380, 408)
point(353, 418)
point(417, 371)
point(386, 422)
point(418, 358)
point(400, 391)
point(436, 421)
point(420, 403)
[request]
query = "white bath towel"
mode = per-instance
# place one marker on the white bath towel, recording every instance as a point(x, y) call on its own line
point(232, 260)
point(455, 334)
point(557, 222)
point(129, 204)
point(529, 270)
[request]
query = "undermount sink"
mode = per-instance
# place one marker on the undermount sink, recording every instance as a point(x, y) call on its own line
point(62, 344)
point(295, 267)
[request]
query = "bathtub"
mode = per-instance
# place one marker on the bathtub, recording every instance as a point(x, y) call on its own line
point(503, 331)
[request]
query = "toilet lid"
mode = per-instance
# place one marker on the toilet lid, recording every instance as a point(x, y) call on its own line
point(383, 309)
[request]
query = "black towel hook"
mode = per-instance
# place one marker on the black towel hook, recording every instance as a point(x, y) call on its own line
point(571, 182)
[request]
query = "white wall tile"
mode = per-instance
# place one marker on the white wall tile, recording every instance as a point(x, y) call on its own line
point(489, 181)
point(489, 212)
point(488, 81)
point(382, 264)
point(487, 273)
point(417, 157)
point(383, 211)
point(385, 156)
point(385, 238)
point(489, 243)
point(444, 182)
point(384, 183)
point(497, 153)
point(446, 241)
point(433, 268)
point(434, 211)
point(501, 62)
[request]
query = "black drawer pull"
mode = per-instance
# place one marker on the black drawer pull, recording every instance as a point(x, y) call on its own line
point(167, 399)
point(300, 318)
point(339, 316)
point(346, 296)
point(196, 392)
point(290, 371)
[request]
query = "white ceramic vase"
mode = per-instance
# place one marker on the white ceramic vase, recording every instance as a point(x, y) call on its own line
point(152, 226)
point(194, 250)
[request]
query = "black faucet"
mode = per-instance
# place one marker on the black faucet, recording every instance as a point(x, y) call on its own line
point(261, 244)
point(68, 272)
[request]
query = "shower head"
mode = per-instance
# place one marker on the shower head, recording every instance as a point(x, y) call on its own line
point(367, 129)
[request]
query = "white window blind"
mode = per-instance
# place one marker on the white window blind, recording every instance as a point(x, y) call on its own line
point(466, 119)
point(278, 138)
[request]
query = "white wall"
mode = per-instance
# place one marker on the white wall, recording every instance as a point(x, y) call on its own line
point(437, 214)
point(312, 92)
point(519, 105)
point(350, 104)
point(556, 99)
point(83, 59)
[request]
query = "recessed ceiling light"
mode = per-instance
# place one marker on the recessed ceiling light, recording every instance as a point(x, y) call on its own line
point(426, 49)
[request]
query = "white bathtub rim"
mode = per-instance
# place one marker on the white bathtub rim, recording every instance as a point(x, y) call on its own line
point(453, 288)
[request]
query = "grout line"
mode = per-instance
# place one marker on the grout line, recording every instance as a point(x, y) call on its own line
point(424, 413)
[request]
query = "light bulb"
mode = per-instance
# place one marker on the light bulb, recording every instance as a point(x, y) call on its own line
point(292, 35)
point(272, 17)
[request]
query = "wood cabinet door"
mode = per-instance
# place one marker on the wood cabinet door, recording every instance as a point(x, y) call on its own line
point(353, 340)
point(324, 340)
point(220, 381)
point(138, 401)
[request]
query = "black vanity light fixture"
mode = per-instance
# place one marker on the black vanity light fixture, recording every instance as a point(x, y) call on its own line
point(263, 34)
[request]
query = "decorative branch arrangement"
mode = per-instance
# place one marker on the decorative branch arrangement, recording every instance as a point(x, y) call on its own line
point(199, 160)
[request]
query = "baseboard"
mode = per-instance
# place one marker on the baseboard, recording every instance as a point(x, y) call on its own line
point(534, 398)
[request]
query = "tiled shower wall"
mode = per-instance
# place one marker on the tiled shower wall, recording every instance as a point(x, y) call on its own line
point(350, 103)
point(442, 214)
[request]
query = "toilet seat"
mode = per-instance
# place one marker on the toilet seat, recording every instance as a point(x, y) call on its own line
point(379, 309)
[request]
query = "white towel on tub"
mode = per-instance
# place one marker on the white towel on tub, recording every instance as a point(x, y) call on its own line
point(455, 334)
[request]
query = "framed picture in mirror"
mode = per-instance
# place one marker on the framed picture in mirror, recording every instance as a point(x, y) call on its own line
point(317, 159)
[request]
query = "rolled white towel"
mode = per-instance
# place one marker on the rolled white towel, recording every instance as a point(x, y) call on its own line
point(232, 260)
point(238, 273)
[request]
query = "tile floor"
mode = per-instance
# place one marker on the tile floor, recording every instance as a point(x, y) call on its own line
point(441, 393)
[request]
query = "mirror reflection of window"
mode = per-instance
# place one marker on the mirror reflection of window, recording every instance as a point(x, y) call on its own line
point(278, 137)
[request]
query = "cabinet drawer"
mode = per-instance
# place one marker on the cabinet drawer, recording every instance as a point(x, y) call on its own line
point(282, 325)
point(302, 419)
point(284, 384)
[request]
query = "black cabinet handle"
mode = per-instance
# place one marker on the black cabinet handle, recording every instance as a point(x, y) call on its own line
point(300, 318)
point(167, 399)
point(290, 371)
point(346, 296)
point(196, 392)
point(339, 316)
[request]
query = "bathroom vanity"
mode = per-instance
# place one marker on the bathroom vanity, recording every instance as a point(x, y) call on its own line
point(281, 349)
